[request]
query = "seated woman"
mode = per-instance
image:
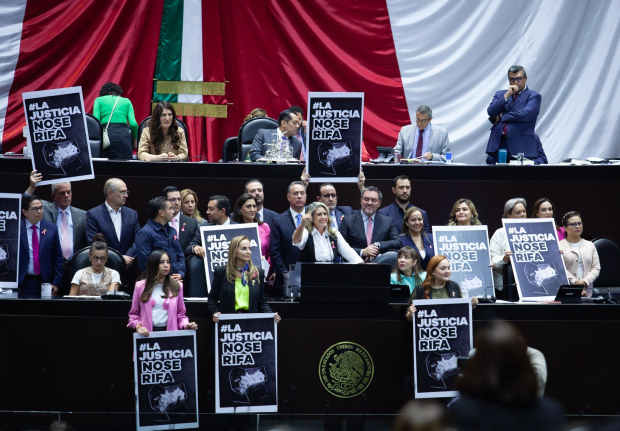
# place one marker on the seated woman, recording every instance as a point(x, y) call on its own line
point(238, 286)
point(414, 236)
point(580, 255)
point(163, 140)
point(189, 206)
point(464, 213)
point(437, 285)
point(500, 381)
point(544, 208)
point(408, 270)
point(157, 303)
point(256, 113)
point(498, 246)
point(318, 241)
point(96, 279)
point(245, 211)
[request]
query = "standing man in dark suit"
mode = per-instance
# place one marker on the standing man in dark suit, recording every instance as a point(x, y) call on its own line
point(283, 252)
point(185, 227)
point(283, 135)
point(396, 211)
point(218, 211)
point(255, 188)
point(513, 113)
point(40, 254)
point(117, 223)
point(368, 232)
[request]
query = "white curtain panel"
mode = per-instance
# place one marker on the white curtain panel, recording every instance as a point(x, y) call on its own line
point(454, 54)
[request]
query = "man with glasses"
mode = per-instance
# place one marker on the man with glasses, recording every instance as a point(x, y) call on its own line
point(284, 134)
point(40, 254)
point(425, 140)
point(118, 224)
point(185, 227)
point(513, 113)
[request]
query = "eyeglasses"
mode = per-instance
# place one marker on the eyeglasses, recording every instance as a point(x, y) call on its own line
point(330, 195)
point(101, 259)
point(36, 209)
point(417, 120)
point(517, 80)
point(577, 224)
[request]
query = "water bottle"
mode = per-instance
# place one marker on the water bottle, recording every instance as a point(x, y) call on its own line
point(448, 158)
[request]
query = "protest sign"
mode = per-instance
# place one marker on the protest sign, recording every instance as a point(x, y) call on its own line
point(536, 261)
point(216, 241)
point(334, 140)
point(442, 332)
point(58, 135)
point(10, 210)
point(467, 249)
point(166, 380)
point(246, 369)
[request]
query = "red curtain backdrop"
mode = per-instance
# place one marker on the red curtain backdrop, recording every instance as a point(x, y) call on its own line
point(271, 52)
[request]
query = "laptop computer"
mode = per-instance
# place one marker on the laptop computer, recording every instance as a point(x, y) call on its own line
point(569, 294)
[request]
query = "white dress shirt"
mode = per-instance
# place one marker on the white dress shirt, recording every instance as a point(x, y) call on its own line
point(30, 269)
point(160, 316)
point(176, 218)
point(323, 249)
point(117, 221)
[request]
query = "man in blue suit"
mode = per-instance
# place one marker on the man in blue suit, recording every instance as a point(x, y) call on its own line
point(281, 248)
point(513, 113)
point(283, 134)
point(118, 224)
point(40, 254)
point(396, 211)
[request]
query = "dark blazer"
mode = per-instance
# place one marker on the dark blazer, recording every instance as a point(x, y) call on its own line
point(188, 228)
point(154, 236)
point(520, 117)
point(340, 212)
point(384, 232)
point(283, 252)
point(397, 215)
point(98, 221)
point(78, 216)
point(428, 246)
point(223, 291)
point(454, 290)
point(269, 216)
point(197, 239)
point(266, 136)
point(50, 254)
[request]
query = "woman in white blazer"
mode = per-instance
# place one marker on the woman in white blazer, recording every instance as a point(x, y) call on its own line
point(580, 255)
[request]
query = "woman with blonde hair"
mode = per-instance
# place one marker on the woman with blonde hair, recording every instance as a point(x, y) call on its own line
point(256, 113)
point(189, 206)
point(464, 213)
point(238, 286)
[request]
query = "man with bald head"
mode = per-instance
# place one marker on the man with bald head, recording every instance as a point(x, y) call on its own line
point(118, 224)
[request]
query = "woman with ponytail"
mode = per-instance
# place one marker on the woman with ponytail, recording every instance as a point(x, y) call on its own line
point(437, 285)
point(95, 280)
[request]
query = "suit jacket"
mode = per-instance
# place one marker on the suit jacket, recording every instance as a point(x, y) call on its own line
point(520, 117)
point(155, 236)
point(188, 228)
point(590, 260)
point(197, 239)
point(269, 216)
point(438, 145)
point(98, 220)
point(283, 252)
point(266, 136)
point(50, 253)
point(428, 246)
point(393, 211)
point(340, 212)
point(223, 291)
point(142, 312)
point(78, 216)
point(454, 291)
point(384, 232)
point(539, 159)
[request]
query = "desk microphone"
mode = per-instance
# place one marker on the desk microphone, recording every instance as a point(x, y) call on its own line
point(610, 299)
point(492, 299)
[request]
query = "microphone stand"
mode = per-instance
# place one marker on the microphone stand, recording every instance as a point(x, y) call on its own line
point(491, 300)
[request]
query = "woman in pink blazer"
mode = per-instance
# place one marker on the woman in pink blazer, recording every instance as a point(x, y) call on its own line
point(157, 303)
point(580, 256)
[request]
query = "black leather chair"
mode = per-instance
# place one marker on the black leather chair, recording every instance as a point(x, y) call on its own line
point(248, 130)
point(144, 124)
point(195, 281)
point(230, 150)
point(95, 136)
point(609, 257)
point(115, 261)
point(389, 257)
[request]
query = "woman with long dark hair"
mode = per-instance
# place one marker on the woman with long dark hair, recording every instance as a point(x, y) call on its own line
point(544, 208)
point(408, 270)
point(96, 279)
point(414, 236)
point(116, 115)
point(157, 303)
point(163, 140)
point(245, 211)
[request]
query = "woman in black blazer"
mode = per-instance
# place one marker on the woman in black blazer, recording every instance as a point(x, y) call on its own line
point(437, 285)
point(239, 286)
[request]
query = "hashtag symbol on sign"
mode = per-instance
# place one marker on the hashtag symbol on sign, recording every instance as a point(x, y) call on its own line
point(442, 238)
point(315, 105)
point(223, 328)
point(32, 106)
point(143, 347)
point(210, 238)
point(511, 230)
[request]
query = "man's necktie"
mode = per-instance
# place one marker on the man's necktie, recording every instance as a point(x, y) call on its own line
point(258, 217)
point(418, 150)
point(64, 235)
point(369, 231)
point(35, 251)
point(298, 217)
point(334, 222)
point(505, 128)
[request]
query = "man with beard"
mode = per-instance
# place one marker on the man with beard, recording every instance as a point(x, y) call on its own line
point(255, 188)
point(396, 211)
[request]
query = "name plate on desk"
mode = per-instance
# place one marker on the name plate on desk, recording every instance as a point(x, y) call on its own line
point(338, 282)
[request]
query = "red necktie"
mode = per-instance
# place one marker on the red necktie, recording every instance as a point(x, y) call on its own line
point(35, 250)
point(418, 150)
